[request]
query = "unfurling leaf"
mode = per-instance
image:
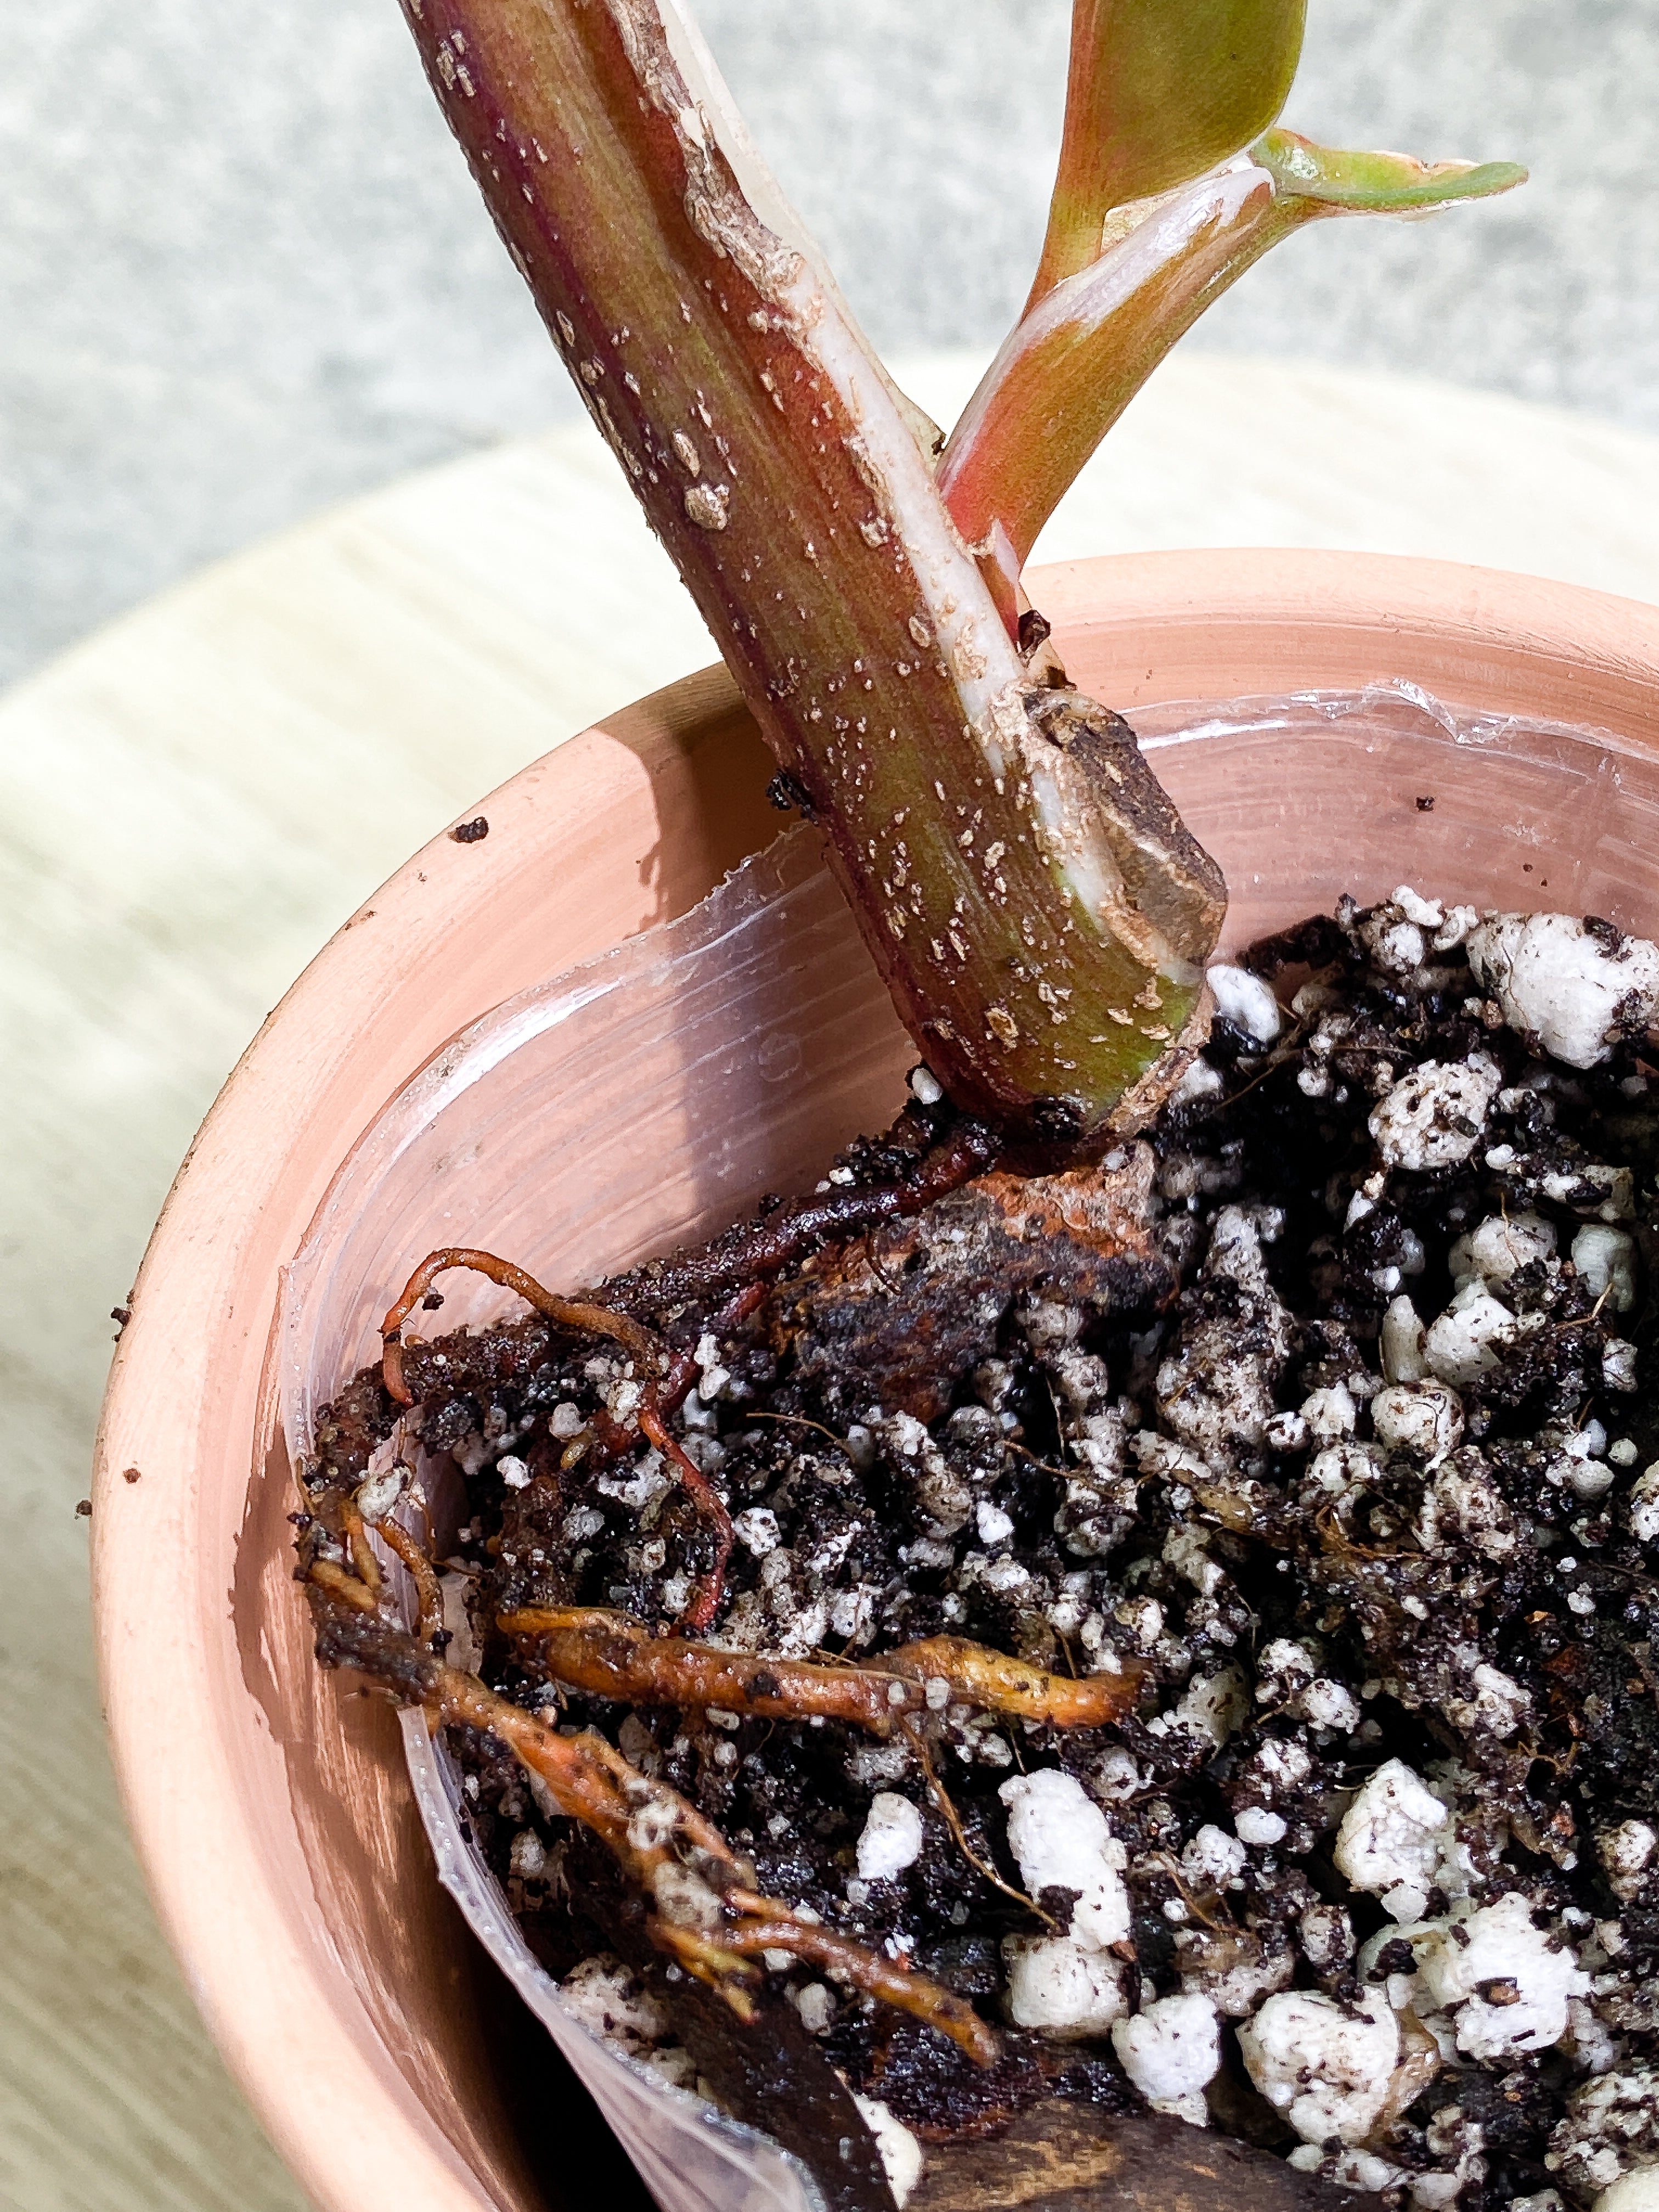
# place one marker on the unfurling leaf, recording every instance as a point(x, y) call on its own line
point(1082, 351)
point(1066, 374)
point(1157, 91)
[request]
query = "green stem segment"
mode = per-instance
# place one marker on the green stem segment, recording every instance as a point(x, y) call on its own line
point(1034, 905)
point(1081, 355)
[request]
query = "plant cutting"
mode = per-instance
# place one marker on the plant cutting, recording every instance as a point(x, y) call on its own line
point(1035, 906)
point(1043, 920)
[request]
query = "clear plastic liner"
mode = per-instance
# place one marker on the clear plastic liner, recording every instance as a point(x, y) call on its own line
point(642, 1100)
point(650, 1097)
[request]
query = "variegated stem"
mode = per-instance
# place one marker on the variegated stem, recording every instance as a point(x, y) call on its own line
point(1081, 355)
point(1033, 903)
point(1073, 365)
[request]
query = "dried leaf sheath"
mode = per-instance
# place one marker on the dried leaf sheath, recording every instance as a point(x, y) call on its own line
point(991, 864)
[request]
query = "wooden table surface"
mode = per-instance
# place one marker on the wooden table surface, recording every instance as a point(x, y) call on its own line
point(195, 797)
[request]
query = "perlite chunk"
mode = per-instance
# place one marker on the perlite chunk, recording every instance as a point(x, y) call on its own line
point(1402, 1342)
point(1572, 985)
point(898, 2149)
point(1606, 1258)
point(1433, 1117)
point(1390, 1839)
point(1500, 1245)
point(612, 2003)
point(1635, 2191)
point(1246, 1001)
point(1611, 2128)
point(1060, 1838)
point(1216, 1389)
point(1171, 2051)
point(1326, 2066)
point(1424, 1419)
point(1626, 1852)
point(1508, 1980)
point(891, 1840)
point(1062, 1987)
point(1464, 1342)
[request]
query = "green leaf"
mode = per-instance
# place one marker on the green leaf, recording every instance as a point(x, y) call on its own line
point(1380, 183)
point(1159, 91)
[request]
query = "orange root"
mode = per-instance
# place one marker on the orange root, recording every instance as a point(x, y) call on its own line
point(647, 1351)
point(612, 1656)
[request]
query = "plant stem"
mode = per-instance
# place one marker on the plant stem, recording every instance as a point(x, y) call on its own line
point(1032, 901)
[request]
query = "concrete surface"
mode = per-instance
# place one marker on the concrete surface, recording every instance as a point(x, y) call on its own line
point(243, 274)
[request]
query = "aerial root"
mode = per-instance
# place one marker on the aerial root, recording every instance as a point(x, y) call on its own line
point(611, 1655)
point(708, 1916)
point(650, 1355)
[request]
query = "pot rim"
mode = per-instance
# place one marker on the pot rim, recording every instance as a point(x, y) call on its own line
point(188, 1388)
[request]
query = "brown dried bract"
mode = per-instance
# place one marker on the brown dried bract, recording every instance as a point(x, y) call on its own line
point(914, 1305)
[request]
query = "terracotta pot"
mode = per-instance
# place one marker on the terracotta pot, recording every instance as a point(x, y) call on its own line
point(273, 1815)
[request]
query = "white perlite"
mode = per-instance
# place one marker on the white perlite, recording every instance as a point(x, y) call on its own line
point(1061, 1840)
point(1420, 1123)
point(1258, 1827)
point(1561, 982)
point(1626, 1852)
point(1327, 1934)
point(1635, 2191)
point(900, 2152)
point(1216, 1396)
point(1326, 2066)
point(1390, 1839)
point(1402, 1341)
point(1328, 1415)
point(757, 1529)
point(1171, 2051)
point(1214, 1706)
point(891, 1840)
point(1329, 1705)
point(1462, 1504)
point(1213, 1858)
point(1498, 1949)
point(1500, 1245)
point(1464, 1343)
point(1061, 1986)
point(1642, 1508)
point(1610, 2129)
point(1246, 1001)
point(612, 2004)
point(1606, 1258)
point(1424, 1419)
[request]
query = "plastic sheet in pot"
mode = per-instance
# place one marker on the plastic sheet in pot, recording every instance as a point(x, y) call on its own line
point(650, 1097)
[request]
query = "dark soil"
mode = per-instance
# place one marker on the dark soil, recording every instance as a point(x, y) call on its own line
point(1136, 1416)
